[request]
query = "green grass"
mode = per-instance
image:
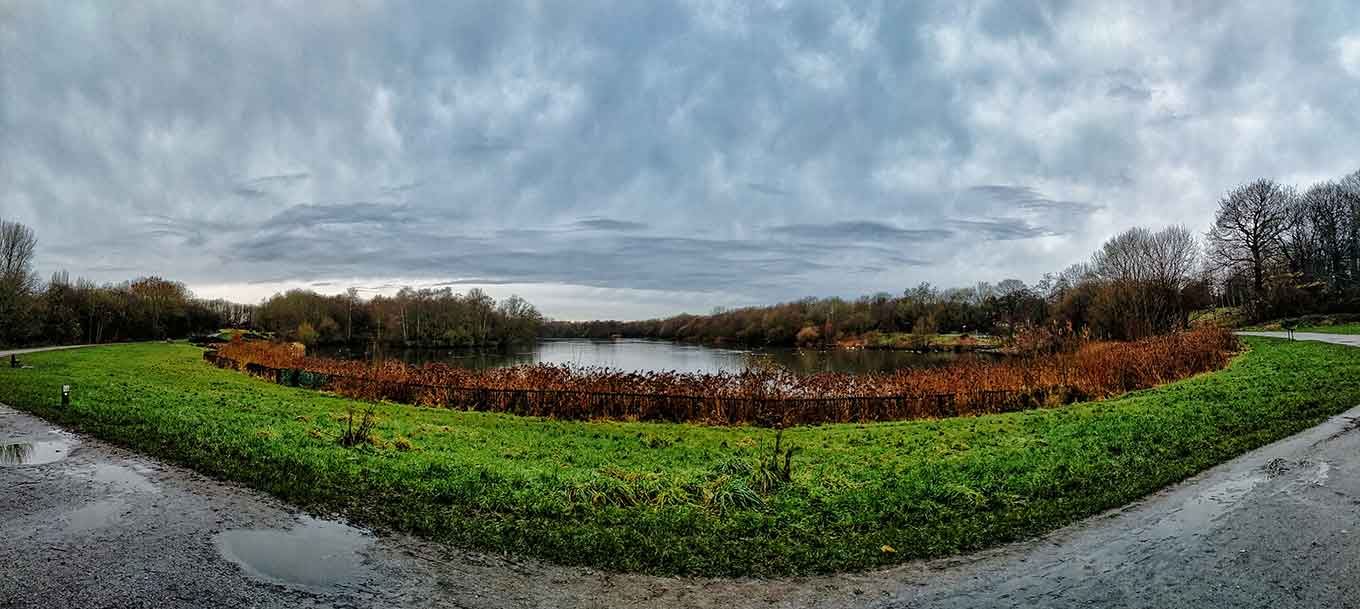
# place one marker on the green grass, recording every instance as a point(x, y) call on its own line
point(1226, 317)
point(907, 340)
point(1333, 329)
point(1336, 329)
point(686, 499)
point(1350, 328)
point(1325, 324)
point(229, 333)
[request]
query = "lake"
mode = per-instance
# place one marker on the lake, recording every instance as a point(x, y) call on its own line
point(655, 355)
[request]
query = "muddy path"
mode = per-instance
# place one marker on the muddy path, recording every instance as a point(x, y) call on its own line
point(87, 524)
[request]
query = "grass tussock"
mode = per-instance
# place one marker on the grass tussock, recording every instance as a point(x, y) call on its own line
point(766, 396)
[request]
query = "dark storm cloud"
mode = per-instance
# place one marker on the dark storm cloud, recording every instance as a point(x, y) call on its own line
point(264, 186)
point(306, 216)
point(1026, 198)
point(1002, 230)
point(863, 230)
point(607, 224)
point(751, 151)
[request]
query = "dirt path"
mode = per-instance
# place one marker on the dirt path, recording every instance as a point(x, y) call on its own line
point(86, 524)
point(6, 354)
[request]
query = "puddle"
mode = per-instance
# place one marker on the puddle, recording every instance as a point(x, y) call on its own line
point(34, 452)
point(1206, 507)
point(1323, 470)
point(97, 515)
point(123, 477)
point(1219, 497)
point(318, 554)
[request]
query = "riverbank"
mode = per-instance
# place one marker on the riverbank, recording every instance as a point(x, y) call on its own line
point(667, 498)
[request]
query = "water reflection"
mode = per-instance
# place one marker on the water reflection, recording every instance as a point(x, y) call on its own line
point(634, 354)
point(33, 453)
point(316, 554)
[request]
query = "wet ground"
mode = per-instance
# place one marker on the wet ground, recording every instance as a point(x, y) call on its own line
point(86, 524)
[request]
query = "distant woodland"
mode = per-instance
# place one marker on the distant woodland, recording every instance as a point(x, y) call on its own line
point(1272, 251)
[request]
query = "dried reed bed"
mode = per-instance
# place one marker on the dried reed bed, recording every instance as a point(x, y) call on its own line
point(1090, 370)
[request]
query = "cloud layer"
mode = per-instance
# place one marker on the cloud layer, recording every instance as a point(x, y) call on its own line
point(623, 159)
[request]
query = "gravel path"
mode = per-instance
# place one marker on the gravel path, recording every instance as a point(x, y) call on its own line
point(87, 524)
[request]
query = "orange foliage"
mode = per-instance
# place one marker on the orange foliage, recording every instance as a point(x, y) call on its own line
point(1091, 370)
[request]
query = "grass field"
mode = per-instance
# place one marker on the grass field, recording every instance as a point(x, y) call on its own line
point(667, 498)
point(945, 342)
point(1353, 328)
point(1336, 329)
point(1325, 324)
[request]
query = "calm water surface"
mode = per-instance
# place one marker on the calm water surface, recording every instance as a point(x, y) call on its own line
point(653, 355)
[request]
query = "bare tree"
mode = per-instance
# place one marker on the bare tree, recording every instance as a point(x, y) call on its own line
point(1148, 273)
point(17, 245)
point(1173, 255)
point(351, 300)
point(1316, 243)
point(17, 280)
point(1248, 226)
point(1350, 190)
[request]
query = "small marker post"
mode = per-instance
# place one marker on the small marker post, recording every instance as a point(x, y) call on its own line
point(65, 395)
point(13, 361)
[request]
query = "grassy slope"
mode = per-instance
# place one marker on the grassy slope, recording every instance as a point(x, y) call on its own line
point(1336, 329)
point(1330, 329)
point(907, 340)
point(670, 498)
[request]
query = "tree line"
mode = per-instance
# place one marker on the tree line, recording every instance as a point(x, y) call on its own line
point(1279, 251)
point(1140, 283)
point(1273, 251)
point(65, 311)
point(413, 317)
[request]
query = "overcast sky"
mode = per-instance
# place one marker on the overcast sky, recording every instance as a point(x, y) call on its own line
point(630, 159)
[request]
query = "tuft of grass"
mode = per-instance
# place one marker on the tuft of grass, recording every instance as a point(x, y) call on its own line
point(599, 493)
point(359, 427)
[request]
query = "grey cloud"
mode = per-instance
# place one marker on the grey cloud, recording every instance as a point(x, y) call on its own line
point(250, 192)
point(1129, 92)
point(399, 188)
point(746, 151)
point(463, 282)
point(300, 216)
point(265, 186)
point(1003, 230)
point(281, 178)
point(863, 230)
point(607, 224)
point(1029, 199)
point(766, 189)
